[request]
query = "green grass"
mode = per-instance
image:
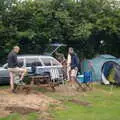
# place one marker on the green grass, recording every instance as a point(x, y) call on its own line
point(16, 116)
point(104, 105)
point(4, 87)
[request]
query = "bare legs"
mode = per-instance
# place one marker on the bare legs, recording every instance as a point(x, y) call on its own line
point(12, 73)
point(23, 72)
point(73, 75)
point(11, 80)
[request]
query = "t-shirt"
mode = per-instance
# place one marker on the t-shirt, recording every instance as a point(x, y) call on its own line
point(12, 60)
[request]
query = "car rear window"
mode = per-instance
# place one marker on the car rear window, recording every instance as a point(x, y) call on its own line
point(50, 62)
point(46, 61)
point(54, 62)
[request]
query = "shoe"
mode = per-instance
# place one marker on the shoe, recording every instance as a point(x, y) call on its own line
point(73, 86)
point(13, 91)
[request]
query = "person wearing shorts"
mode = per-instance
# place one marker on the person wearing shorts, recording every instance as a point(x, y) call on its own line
point(74, 67)
point(13, 67)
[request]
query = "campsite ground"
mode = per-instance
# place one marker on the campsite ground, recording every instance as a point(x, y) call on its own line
point(64, 104)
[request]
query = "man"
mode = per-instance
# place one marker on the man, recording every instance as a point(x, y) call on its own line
point(13, 67)
point(73, 64)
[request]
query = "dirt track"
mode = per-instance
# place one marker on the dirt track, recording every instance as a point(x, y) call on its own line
point(35, 101)
point(23, 104)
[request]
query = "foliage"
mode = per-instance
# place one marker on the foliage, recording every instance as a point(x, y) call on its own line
point(83, 24)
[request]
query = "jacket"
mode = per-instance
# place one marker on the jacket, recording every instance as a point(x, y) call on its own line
point(74, 61)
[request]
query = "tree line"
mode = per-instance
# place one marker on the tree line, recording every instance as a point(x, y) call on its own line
point(90, 26)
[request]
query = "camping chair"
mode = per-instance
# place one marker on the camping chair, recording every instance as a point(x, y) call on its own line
point(84, 81)
point(88, 79)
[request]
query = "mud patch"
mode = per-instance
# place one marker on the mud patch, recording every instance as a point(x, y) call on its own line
point(66, 90)
point(20, 110)
point(78, 102)
point(24, 104)
point(3, 113)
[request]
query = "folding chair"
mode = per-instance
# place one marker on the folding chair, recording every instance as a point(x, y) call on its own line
point(88, 79)
point(85, 80)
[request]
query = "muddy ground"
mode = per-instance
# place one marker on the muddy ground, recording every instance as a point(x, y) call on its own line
point(24, 103)
point(34, 100)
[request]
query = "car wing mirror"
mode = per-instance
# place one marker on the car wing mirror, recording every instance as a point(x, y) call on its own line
point(5, 66)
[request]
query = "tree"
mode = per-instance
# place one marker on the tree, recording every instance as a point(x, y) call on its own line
point(83, 24)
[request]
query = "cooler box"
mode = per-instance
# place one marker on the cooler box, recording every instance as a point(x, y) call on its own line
point(80, 78)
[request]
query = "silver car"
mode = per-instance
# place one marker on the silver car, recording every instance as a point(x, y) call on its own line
point(43, 64)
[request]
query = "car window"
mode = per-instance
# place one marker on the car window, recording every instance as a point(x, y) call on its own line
point(21, 62)
point(50, 61)
point(33, 61)
point(54, 62)
point(46, 61)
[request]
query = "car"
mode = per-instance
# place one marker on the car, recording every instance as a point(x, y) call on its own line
point(43, 64)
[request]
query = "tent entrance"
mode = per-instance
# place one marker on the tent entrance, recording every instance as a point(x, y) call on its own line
point(111, 72)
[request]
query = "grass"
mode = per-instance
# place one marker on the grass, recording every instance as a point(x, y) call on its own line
point(104, 105)
point(16, 116)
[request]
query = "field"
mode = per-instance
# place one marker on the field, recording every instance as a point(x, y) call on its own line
point(100, 103)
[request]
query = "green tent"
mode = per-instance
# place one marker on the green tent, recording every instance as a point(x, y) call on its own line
point(104, 68)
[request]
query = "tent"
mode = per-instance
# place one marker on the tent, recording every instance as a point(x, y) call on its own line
point(104, 68)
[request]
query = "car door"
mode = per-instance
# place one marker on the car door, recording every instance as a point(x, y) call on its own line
point(4, 74)
point(30, 61)
point(52, 66)
point(46, 64)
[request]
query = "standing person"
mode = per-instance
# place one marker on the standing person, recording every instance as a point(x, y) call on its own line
point(13, 67)
point(73, 67)
point(69, 63)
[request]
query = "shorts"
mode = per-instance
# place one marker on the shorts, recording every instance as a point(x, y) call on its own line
point(15, 74)
point(74, 72)
point(17, 70)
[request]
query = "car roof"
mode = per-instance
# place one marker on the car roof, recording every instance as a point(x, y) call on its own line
point(34, 56)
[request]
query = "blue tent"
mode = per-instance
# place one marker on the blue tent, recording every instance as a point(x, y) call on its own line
point(97, 66)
